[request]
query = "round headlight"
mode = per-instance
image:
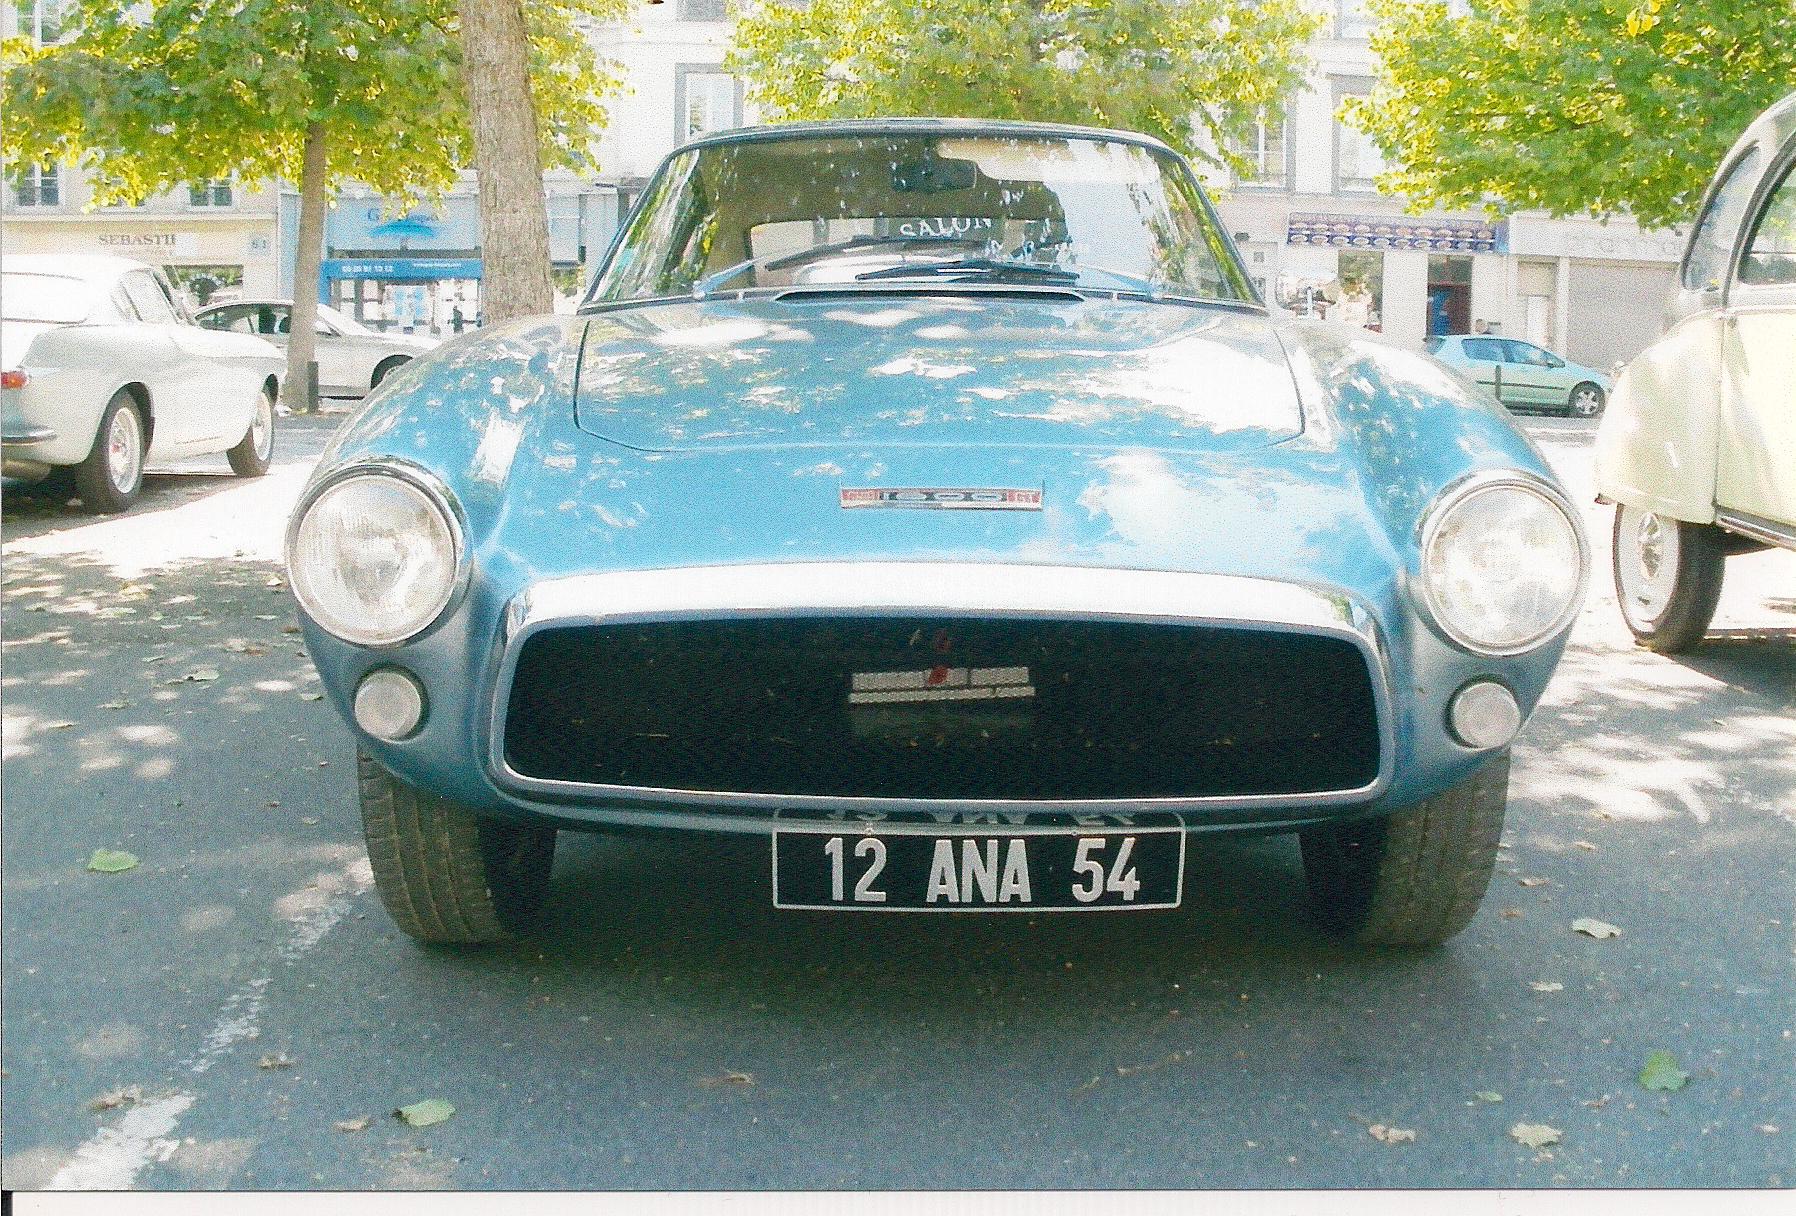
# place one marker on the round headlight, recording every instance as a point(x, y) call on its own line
point(374, 558)
point(1503, 563)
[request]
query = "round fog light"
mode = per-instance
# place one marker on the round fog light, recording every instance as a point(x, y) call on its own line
point(389, 704)
point(1483, 715)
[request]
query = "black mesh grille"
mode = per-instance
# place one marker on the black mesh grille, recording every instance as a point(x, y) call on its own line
point(943, 709)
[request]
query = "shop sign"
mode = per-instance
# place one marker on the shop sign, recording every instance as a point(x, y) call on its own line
point(180, 244)
point(400, 268)
point(1397, 232)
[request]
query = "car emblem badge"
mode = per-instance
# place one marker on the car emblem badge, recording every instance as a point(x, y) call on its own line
point(956, 498)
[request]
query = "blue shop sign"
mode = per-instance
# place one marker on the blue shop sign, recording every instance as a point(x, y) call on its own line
point(400, 268)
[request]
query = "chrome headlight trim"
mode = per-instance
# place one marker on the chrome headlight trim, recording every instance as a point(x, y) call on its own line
point(417, 478)
point(1462, 490)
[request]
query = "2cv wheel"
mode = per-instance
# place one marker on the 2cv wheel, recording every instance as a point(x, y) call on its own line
point(1667, 578)
point(1413, 878)
point(445, 874)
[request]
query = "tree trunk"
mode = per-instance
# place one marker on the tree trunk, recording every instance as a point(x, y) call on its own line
point(301, 339)
point(514, 221)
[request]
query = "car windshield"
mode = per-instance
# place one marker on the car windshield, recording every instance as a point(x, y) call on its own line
point(54, 298)
point(1050, 210)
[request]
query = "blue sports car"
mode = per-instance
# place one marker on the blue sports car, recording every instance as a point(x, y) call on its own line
point(938, 500)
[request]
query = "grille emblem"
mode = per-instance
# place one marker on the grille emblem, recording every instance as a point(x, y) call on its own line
point(945, 498)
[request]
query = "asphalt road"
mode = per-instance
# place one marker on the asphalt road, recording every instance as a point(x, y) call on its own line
point(236, 1011)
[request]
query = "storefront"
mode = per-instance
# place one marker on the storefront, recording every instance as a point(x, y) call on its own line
point(211, 260)
point(419, 270)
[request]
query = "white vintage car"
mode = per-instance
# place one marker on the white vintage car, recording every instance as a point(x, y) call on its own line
point(102, 372)
point(1698, 449)
point(352, 359)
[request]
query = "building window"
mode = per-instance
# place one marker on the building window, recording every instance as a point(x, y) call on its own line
point(38, 186)
point(707, 100)
point(215, 193)
point(1352, 20)
point(1358, 162)
point(699, 10)
point(40, 20)
point(1264, 151)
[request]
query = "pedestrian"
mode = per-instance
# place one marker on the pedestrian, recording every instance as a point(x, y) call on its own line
point(456, 319)
point(1480, 326)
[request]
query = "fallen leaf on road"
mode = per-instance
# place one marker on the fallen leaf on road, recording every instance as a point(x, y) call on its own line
point(1594, 928)
point(1511, 914)
point(1535, 1135)
point(1129, 1070)
point(1597, 1103)
point(274, 581)
point(308, 820)
point(289, 628)
point(352, 1125)
point(732, 1077)
point(276, 1061)
point(1582, 844)
point(1088, 1086)
point(1770, 1129)
point(62, 725)
point(238, 646)
point(311, 696)
point(111, 861)
point(1488, 1095)
point(267, 616)
point(123, 1096)
point(1532, 882)
point(199, 675)
point(1546, 986)
point(425, 1113)
point(1661, 1071)
point(114, 704)
point(1391, 1135)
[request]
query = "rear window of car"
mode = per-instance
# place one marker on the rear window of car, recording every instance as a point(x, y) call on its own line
point(54, 298)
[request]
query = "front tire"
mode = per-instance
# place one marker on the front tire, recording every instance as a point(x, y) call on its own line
point(112, 475)
point(1413, 878)
point(1667, 577)
point(445, 874)
point(1584, 401)
point(251, 456)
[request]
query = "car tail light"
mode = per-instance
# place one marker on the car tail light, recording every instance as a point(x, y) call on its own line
point(14, 379)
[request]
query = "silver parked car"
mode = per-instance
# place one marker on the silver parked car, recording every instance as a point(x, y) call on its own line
point(102, 372)
point(352, 359)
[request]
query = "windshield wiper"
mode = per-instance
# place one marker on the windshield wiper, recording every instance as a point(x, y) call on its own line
point(973, 266)
point(711, 282)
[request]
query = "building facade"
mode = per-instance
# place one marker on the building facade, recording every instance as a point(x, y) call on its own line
point(1320, 238)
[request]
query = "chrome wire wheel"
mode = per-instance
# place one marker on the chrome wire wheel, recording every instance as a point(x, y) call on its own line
point(261, 427)
point(124, 451)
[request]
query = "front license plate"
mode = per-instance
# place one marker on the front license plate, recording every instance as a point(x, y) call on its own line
point(978, 870)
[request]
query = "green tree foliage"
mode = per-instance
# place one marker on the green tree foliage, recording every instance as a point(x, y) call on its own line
point(1571, 106)
point(154, 95)
point(147, 96)
point(1196, 73)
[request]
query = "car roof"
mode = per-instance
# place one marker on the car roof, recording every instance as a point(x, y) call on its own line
point(916, 126)
point(88, 267)
point(1776, 124)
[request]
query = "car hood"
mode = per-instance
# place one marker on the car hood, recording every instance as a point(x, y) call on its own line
point(881, 369)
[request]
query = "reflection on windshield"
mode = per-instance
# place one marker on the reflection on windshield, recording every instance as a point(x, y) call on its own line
point(1049, 210)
